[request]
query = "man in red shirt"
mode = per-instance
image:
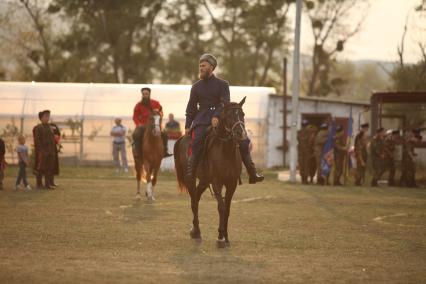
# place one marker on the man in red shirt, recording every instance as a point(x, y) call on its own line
point(140, 117)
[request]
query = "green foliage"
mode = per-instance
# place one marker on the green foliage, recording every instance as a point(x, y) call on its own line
point(410, 77)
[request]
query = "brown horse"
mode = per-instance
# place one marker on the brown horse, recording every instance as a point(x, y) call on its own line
point(152, 153)
point(220, 166)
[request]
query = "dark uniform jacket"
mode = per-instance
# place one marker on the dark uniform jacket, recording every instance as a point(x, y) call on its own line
point(206, 101)
point(360, 149)
point(2, 149)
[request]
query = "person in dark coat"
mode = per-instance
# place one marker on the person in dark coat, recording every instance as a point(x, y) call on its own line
point(45, 149)
point(206, 101)
point(2, 162)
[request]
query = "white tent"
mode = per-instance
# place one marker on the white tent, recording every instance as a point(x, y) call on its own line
point(96, 105)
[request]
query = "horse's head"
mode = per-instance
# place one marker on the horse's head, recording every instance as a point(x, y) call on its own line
point(232, 120)
point(155, 122)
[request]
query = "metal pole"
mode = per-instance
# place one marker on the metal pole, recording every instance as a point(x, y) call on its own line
point(284, 110)
point(295, 94)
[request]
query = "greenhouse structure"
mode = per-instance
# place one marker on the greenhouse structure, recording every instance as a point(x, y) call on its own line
point(85, 114)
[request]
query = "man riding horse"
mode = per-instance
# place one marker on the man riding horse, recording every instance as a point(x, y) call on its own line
point(207, 98)
point(141, 114)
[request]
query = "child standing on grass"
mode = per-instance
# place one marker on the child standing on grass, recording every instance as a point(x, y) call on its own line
point(22, 150)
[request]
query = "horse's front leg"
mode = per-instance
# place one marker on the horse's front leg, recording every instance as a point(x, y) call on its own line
point(217, 188)
point(195, 200)
point(138, 179)
point(154, 180)
point(148, 173)
point(230, 190)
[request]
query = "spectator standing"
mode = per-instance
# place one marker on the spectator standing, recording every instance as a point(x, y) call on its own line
point(118, 132)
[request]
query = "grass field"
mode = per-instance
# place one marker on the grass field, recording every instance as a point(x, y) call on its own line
point(92, 230)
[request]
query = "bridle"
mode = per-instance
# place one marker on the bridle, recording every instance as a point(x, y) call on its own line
point(230, 130)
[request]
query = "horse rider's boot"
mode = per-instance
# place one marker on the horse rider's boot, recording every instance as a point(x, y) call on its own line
point(165, 145)
point(190, 171)
point(254, 176)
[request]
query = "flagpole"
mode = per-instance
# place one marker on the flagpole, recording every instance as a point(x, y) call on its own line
point(295, 94)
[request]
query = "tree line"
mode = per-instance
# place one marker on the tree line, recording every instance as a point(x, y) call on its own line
point(140, 41)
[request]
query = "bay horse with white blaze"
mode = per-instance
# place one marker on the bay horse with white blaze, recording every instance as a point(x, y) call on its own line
point(220, 166)
point(152, 153)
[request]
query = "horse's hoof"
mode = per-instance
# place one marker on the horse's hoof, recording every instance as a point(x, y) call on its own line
point(138, 196)
point(195, 234)
point(220, 243)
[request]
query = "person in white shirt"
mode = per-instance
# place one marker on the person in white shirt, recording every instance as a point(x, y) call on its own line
point(118, 132)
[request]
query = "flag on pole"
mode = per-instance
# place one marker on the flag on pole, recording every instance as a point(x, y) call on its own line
point(328, 151)
point(350, 133)
point(348, 161)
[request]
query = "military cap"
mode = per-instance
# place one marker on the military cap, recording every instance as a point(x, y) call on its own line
point(365, 125)
point(209, 58)
point(395, 131)
point(416, 131)
point(380, 129)
point(324, 126)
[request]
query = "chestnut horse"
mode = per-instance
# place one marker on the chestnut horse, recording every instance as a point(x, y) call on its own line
point(220, 165)
point(152, 153)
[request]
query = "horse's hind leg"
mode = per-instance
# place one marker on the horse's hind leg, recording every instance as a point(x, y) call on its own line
point(195, 200)
point(217, 188)
point(230, 190)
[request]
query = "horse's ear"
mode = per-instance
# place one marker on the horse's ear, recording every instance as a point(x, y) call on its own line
point(242, 102)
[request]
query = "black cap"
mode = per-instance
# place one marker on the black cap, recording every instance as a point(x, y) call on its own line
point(416, 131)
point(339, 128)
point(395, 132)
point(380, 129)
point(365, 125)
point(147, 89)
point(41, 113)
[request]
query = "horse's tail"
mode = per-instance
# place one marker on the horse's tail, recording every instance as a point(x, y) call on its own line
point(179, 155)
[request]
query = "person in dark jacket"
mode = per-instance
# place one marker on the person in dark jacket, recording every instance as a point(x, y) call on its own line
point(2, 162)
point(207, 98)
point(45, 150)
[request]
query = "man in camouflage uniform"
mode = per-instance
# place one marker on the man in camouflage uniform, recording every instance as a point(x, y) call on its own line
point(391, 140)
point(319, 143)
point(304, 150)
point(340, 151)
point(378, 155)
point(361, 141)
point(45, 149)
point(408, 163)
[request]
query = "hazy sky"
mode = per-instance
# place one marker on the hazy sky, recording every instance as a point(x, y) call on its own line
point(382, 32)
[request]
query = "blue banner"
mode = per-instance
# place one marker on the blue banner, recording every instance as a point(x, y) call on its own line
point(328, 151)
